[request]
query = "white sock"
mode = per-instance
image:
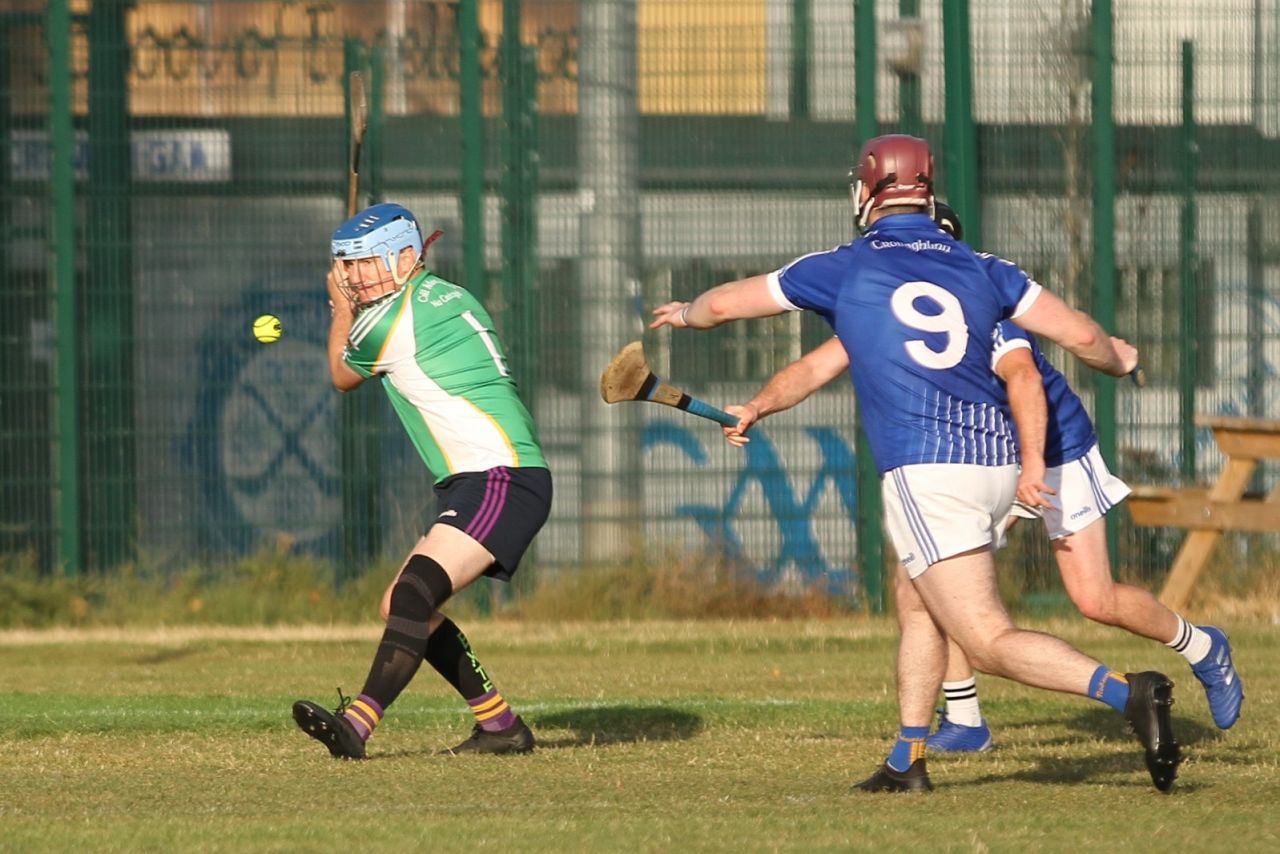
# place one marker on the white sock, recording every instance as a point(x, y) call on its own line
point(962, 702)
point(1191, 642)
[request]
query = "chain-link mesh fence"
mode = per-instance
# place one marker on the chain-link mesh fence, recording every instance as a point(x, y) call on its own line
point(615, 155)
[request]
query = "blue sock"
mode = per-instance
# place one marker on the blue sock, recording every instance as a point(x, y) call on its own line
point(908, 748)
point(1109, 687)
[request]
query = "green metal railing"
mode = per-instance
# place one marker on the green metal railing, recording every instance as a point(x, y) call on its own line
point(172, 169)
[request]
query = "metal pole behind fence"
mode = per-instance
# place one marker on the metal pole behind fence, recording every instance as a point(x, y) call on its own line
point(1188, 337)
point(1104, 234)
point(63, 259)
point(609, 241)
point(871, 558)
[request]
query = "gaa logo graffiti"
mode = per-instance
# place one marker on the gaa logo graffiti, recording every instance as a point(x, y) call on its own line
point(800, 553)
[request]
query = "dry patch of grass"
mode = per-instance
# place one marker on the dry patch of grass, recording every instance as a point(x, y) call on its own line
point(690, 587)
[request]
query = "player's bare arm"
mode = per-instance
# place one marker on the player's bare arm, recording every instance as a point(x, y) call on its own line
point(738, 300)
point(1024, 386)
point(788, 387)
point(1079, 334)
point(343, 315)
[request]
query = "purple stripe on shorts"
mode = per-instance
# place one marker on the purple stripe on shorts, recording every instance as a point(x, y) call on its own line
point(495, 494)
point(484, 504)
point(501, 486)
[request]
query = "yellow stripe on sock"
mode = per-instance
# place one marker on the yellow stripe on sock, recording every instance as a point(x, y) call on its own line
point(357, 716)
point(491, 714)
point(365, 711)
point(917, 748)
point(365, 707)
point(488, 704)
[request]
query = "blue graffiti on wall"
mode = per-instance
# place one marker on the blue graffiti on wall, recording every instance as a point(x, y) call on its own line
point(263, 441)
point(793, 514)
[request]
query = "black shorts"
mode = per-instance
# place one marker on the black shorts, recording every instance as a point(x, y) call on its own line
point(502, 509)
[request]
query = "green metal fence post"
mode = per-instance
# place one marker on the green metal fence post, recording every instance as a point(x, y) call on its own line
point(864, 70)
point(471, 109)
point(471, 126)
point(961, 133)
point(28, 512)
point(1104, 233)
point(871, 557)
point(519, 190)
point(800, 29)
point(1188, 338)
point(63, 261)
point(372, 414)
point(519, 198)
point(910, 113)
point(359, 412)
point(373, 152)
point(107, 301)
point(1257, 299)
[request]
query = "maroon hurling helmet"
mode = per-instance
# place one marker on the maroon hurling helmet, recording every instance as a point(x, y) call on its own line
point(898, 170)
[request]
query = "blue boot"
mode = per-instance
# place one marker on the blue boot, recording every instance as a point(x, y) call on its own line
point(1220, 680)
point(955, 738)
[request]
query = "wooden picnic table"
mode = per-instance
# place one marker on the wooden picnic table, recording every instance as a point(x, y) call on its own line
point(1225, 506)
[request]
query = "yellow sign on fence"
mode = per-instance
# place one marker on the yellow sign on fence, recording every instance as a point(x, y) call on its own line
point(285, 59)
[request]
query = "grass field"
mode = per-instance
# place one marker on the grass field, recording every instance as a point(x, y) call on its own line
point(654, 737)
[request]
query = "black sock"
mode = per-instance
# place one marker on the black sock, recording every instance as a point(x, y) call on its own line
point(423, 587)
point(450, 654)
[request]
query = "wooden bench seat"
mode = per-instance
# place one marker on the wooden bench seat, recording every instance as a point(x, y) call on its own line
point(1191, 507)
point(1225, 506)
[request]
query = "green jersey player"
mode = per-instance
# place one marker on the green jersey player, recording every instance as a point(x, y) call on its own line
point(433, 346)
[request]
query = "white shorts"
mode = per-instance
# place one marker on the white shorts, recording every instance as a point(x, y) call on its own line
point(1086, 490)
point(935, 511)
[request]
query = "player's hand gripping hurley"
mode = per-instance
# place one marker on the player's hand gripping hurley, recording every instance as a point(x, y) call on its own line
point(629, 377)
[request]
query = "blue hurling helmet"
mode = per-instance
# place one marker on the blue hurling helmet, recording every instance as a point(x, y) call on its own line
point(381, 231)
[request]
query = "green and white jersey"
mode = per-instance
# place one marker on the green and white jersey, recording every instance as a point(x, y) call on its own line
point(447, 377)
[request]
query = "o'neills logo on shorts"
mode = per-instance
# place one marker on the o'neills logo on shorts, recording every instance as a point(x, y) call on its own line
point(914, 246)
point(1081, 512)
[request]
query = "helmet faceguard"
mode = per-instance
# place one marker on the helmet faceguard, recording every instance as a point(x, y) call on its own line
point(892, 170)
point(947, 219)
point(383, 232)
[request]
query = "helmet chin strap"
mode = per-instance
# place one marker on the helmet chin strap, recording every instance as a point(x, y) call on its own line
point(426, 244)
point(395, 277)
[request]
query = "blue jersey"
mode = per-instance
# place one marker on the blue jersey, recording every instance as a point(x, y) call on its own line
point(916, 311)
point(1069, 434)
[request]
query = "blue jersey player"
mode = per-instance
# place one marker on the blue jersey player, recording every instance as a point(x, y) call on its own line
point(915, 311)
point(1071, 498)
point(1082, 491)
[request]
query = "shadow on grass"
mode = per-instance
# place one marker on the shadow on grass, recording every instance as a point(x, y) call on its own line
point(1090, 770)
point(1104, 725)
point(617, 725)
point(598, 726)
